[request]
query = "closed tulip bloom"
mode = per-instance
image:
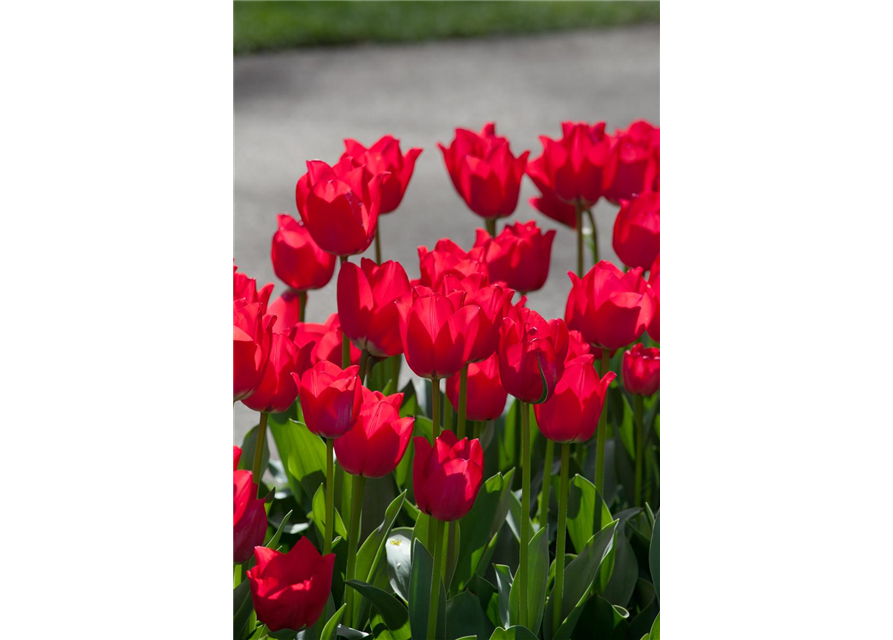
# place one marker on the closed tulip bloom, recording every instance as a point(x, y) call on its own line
point(641, 370)
point(290, 590)
point(339, 205)
point(551, 206)
point(637, 230)
point(249, 517)
point(531, 355)
point(366, 295)
point(654, 283)
point(246, 288)
point(237, 453)
point(494, 302)
point(278, 389)
point(610, 308)
point(579, 167)
point(252, 340)
point(635, 147)
point(297, 261)
point(448, 259)
point(437, 331)
point(446, 478)
point(330, 398)
point(326, 340)
point(571, 414)
point(376, 444)
point(384, 157)
point(484, 171)
point(485, 394)
point(518, 256)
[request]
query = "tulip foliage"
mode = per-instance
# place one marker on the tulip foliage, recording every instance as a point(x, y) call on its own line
point(451, 463)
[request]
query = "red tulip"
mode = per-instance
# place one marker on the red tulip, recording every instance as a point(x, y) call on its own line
point(635, 152)
point(366, 296)
point(297, 261)
point(484, 171)
point(326, 340)
point(376, 444)
point(654, 283)
point(494, 302)
point(339, 205)
point(610, 308)
point(577, 347)
point(249, 517)
point(438, 332)
point(448, 258)
point(579, 167)
point(278, 390)
point(571, 414)
point(384, 157)
point(252, 339)
point(518, 256)
point(637, 230)
point(551, 206)
point(446, 478)
point(330, 398)
point(531, 355)
point(641, 370)
point(290, 590)
point(486, 396)
point(237, 453)
point(245, 287)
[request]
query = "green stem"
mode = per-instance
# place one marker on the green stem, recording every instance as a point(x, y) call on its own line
point(364, 365)
point(476, 426)
point(378, 242)
point(463, 402)
point(638, 414)
point(525, 509)
point(447, 415)
point(491, 226)
point(330, 495)
point(302, 305)
point(435, 578)
point(580, 449)
point(435, 401)
point(356, 510)
point(594, 236)
point(259, 444)
point(579, 212)
point(560, 537)
point(450, 554)
point(600, 444)
point(547, 484)
point(345, 341)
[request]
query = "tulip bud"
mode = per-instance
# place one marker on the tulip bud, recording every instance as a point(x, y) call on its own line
point(637, 230)
point(447, 477)
point(330, 398)
point(572, 413)
point(290, 590)
point(641, 370)
point(249, 516)
point(375, 445)
point(297, 261)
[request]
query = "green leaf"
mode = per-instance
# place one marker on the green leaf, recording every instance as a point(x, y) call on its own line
point(319, 515)
point(581, 502)
point(514, 517)
point(420, 581)
point(604, 620)
point(625, 571)
point(328, 631)
point(465, 617)
point(655, 629)
point(654, 555)
point(392, 611)
point(504, 585)
point(626, 428)
point(508, 442)
point(370, 553)
point(303, 454)
point(246, 460)
point(399, 554)
point(513, 633)
point(481, 525)
point(242, 608)
point(422, 426)
point(538, 579)
point(273, 542)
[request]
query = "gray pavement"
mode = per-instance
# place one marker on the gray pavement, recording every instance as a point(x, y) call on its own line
point(294, 106)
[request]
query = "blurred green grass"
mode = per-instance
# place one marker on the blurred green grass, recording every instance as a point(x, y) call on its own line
point(264, 26)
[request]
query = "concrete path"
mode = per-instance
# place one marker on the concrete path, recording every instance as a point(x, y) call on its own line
point(299, 105)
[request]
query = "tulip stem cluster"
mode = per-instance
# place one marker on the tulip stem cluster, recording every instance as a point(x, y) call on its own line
point(330, 495)
point(600, 444)
point(437, 526)
point(259, 450)
point(638, 418)
point(560, 537)
point(547, 483)
point(356, 496)
point(525, 508)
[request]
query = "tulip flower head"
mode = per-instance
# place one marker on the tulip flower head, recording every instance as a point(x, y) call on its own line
point(384, 157)
point(637, 230)
point(484, 172)
point(339, 205)
point(641, 370)
point(249, 516)
point(531, 355)
point(252, 340)
point(610, 308)
point(551, 206)
point(519, 256)
point(326, 340)
point(246, 288)
point(375, 445)
point(636, 149)
point(654, 283)
point(237, 453)
point(447, 477)
point(486, 396)
point(330, 398)
point(297, 261)
point(572, 413)
point(448, 259)
point(289, 590)
point(278, 389)
point(366, 295)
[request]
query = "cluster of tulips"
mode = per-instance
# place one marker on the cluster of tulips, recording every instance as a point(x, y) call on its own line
point(463, 321)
